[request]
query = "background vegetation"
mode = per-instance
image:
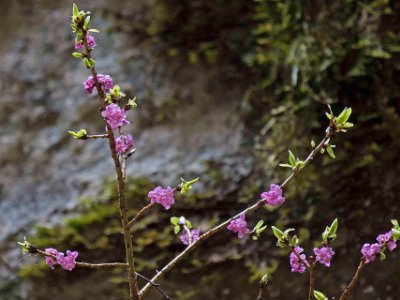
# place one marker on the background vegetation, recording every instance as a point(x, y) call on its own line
point(291, 59)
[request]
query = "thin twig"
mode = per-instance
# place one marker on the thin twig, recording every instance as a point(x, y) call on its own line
point(81, 264)
point(156, 285)
point(122, 205)
point(329, 133)
point(312, 279)
point(353, 281)
point(94, 136)
point(262, 287)
point(138, 215)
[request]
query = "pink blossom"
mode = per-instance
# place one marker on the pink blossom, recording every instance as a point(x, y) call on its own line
point(165, 197)
point(90, 41)
point(384, 238)
point(195, 234)
point(50, 261)
point(324, 255)
point(67, 262)
point(239, 226)
point(124, 144)
point(104, 80)
point(274, 196)
point(369, 251)
point(115, 116)
point(297, 265)
point(391, 245)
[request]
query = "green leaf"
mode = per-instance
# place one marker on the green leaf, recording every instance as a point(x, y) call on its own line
point(334, 227)
point(277, 232)
point(292, 159)
point(295, 241)
point(93, 30)
point(78, 134)
point(177, 229)
point(312, 144)
point(86, 24)
point(255, 237)
point(75, 10)
point(188, 224)
point(320, 296)
point(330, 152)
point(25, 246)
point(174, 220)
point(77, 54)
point(344, 115)
point(285, 166)
point(396, 234)
point(259, 224)
point(395, 223)
point(261, 230)
point(382, 255)
point(187, 185)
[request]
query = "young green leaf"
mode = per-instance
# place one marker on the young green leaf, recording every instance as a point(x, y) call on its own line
point(75, 10)
point(77, 54)
point(319, 296)
point(86, 24)
point(277, 232)
point(174, 220)
point(330, 151)
point(78, 134)
point(344, 116)
point(292, 159)
point(177, 229)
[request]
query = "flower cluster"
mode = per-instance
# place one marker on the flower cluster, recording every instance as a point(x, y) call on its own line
point(369, 251)
point(104, 80)
point(165, 197)
point(194, 236)
point(297, 264)
point(90, 42)
point(239, 226)
point(274, 196)
point(324, 255)
point(67, 261)
point(115, 116)
point(124, 144)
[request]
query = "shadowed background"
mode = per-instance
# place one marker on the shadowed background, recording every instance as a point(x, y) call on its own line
point(224, 88)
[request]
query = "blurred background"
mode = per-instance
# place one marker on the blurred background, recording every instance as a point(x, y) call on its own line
point(224, 88)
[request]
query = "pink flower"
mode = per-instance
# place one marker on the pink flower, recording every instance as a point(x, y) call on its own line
point(124, 144)
point(324, 255)
point(391, 245)
point(195, 234)
point(50, 261)
point(239, 226)
point(274, 196)
point(67, 262)
point(297, 264)
point(384, 238)
point(165, 197)
point(369, 251)
point(90, 41)
point(115, 116)
point(104, 80)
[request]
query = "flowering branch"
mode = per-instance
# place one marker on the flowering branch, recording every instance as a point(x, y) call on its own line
point(329, 133)
point(80, 25)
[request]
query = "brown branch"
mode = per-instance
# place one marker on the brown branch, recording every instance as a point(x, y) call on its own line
point(353, 281)
point(138, 215)
point(259, 203)
point(81, 264)
point(312, 279)
point(262, 287)
point(94, 136)
point(122, 205)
